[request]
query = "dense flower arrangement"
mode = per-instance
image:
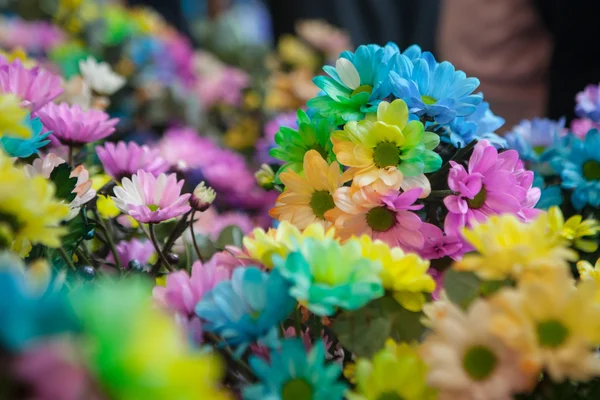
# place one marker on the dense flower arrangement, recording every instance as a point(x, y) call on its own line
point(415, 253)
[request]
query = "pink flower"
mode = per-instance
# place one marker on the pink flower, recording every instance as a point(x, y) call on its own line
point(388, 217)
point(33, 36)
point(581, 126)
point(217, 82)
point(493, 184)
point(125, 159)
point(437, 245)
point(151, 199)
point(75, 127)
point(140, 250)
point(36, 86)
point(186, 149)
point(210, 223)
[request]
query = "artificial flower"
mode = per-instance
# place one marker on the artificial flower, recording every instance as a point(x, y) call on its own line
point(211, 223)
point(290, 90)
point(293, 374)
point(142, 251)
point(125, 159)
point(32, 36)
point(325, 276)
point(394, 372)
point(531, 137)
point(574, 229)
point(588, 103)
point(248, 308)
point(218, 83)
point(13, 118)
point(26, 147)
point(482, 124)
point(100, 77)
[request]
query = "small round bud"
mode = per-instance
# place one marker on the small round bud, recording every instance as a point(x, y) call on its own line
point(87, 272)
point(135, 265)
point(173, 258)
point(202, 197)
point(265, 177)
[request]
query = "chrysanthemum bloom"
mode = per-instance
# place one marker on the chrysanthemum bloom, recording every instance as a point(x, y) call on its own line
point(100, 76)
point(36, 87)
point(73, 126)
point(150, 199)
point(186, 149)
point(217, 82)
point(438, 245)
point(590, 272)
point(395, 372)
point(493, 184)
point(482, 124)
point(403, 274)
point(293, 374)
point(307, 199)
point(142, 251)
point(26, 147)
point(13, 118)
point(588, 103)
point(574, 229)
point(531, 137)
point(389, 217)
point(325, 276)
point(125, 159)
point(248, 308)
point(466, 361)
point(509, 248)
point(388, 151)
point(553, 324)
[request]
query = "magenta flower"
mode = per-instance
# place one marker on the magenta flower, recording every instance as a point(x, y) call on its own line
point(406, 231)
point(125, 159)
point(75, 127)
point(36, 86)
point(493, 184)
point(581, 126)
point(33, 36)
point(150, 199)
point(437, 245)
point(186, 149)
point(210, 223)
point(218, 83)
point(140, 250)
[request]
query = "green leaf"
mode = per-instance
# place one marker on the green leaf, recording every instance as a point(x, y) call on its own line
point(78, 229)
point(462, 287)
point(230, 236)
point(64, 184)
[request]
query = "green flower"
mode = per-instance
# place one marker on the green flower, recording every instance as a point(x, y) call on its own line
point(67, 57)
point(325, 275)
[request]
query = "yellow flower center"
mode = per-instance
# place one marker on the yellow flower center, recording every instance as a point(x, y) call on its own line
point(479, 362)
point(386, 154)
point(591, 170)
point(390, 396)
point(478, 200)
point(381, 219)
point(428, 100)
point(153, 207)
point(296, 389)
point(551, 333)
point(362, 89)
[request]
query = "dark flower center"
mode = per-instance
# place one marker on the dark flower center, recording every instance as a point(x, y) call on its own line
point(296, 389)
point(386, 154)
point(478, 200)
point(321, 202)
point(551, 333)
point(591, 170)
point(362, 89)
point(479, 362)
point(381, 219)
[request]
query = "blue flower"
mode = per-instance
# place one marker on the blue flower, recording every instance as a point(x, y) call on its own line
point(579, 168)
point(248, 308)
point(533, 137)
point(551, 195)
point(24, 148)
point(480, 125)
point(295, 375)
point(433, 90)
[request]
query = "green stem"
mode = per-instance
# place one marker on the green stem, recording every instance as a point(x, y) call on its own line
point(194, 238)
point(230, 357)
point(109, 241)
point(161, 256)
point(81, 255)
point(70, 156)
point(66, 257)
point(442, 193)
point(175, 233)
point(297, 321)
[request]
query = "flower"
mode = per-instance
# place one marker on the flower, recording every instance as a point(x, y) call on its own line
point(579, 168)
point(404, 274)
point(307, 199)
point(480, 125)
point(75, 127)
point(36, 87)
point(467, 361)
point(323, 36)
point(292, 145)
point(588, 103)
point(265, 177)
point(247, 309)
point(100, 77)
point(509, 248)
point(387, 150)
point(26, 147)
point(202, 197)
point(181, 147)
point(531, 137)
point(389, 218)
point(218, 83)
point(211, 223)
point(551, 194)
point(325, 276)
point(581, 126)
point(142, 251)
point(438, 245)
point(574, 230)
point(592, 273)
point(77, 91)
point(394, 372)
point(150, 199)
point(125, 159)
point(493, 184)
point(434, 90)
point(552, 324)
point(13, 118)
point(265, 144)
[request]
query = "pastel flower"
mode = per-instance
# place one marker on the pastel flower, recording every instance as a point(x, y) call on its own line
point(186, 149)
point(581, 126)
point(293, 374)
point(247, 309)
point(217, 82)
point(493, 184)
point(75, 127)
point(389, 218)
point(26, 147)
point(150, 199)
point(33, 36)
point(588, 103)
point(531, 137)
point(480, 125)
point(36, 87)
point(139, 250)
point(387, 151)
point(575, 229)
point(438, 245)
point(125, 159)
point(589, 272)
point(100, 77)
point(325, 276)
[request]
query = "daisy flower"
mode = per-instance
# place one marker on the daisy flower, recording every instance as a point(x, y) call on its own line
point(388, 217)
point(100, 77)
point(125, 159)
point(186, 149)
point(575, 229)
point(150, 199)
point(13, 118)
point(75, 127)
point(387, 151)
point(307, 199)
point(589, 272)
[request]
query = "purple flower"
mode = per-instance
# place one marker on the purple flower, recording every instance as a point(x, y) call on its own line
point(588, 103)
point(33, 36)
point(581, 126)
point(437, 245)
point(218, 83)
point(140, 250)
point(125, 159)
point(186, 149)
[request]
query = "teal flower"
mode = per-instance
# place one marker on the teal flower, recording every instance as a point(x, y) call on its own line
point(295, 375)
point(24, 148)
point(325, 275)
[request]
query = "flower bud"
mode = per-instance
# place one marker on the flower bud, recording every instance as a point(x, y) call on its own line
point(202, 197)
point(265, 177)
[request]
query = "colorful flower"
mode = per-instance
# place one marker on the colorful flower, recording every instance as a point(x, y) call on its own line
point(480, 125)
point(574, 230)
point(589, 272)
point(13, 118)
point(248, 308)
point(531, 137)
point(325, 276)
point(26, 147)
point(293, 374)
point(150, 199)
point(581, 126)
point(551, 195)
point(142, 251)
point(394, 372)
point(438, 245)
point(202, 197)
point(387, 150)
point(125, 159)
point(100, 77)
point(182, 148)
point(493, 184)
point(75, 127)
point(588, 103)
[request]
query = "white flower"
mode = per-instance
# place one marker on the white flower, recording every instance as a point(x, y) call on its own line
point(100, 76)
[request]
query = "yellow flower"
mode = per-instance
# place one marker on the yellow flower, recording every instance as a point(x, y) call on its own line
point(29, 213)
point(308, 199)
point(19, 54)
point(574, 230)
point(404, 274)
point(292, 51)
point(587, 272)
point(552, 324)
point(12, 117)
point(510, 248)
point(395, 372)
point(107, 207)
point(262, 246)
point(242, 135)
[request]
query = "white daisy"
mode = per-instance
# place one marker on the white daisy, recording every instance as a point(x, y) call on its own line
point(100, 77)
